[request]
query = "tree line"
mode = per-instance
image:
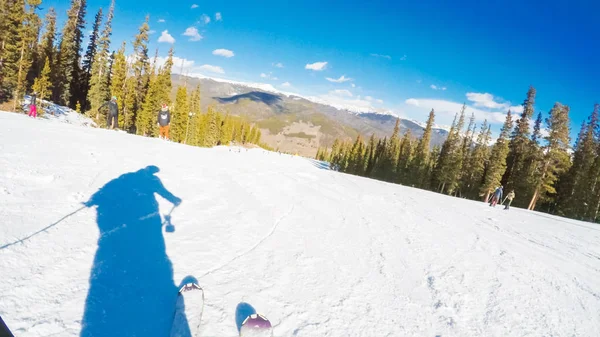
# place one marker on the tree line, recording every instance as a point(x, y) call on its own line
point(546, 173)
point(34, 56)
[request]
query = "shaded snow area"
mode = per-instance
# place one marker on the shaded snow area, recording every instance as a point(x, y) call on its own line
point(100, 250)
point(58, 113)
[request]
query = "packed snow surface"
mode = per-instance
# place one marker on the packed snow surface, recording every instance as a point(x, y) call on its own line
point(90, 245)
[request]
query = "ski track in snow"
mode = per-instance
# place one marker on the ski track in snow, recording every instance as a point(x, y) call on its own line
point(318, 252)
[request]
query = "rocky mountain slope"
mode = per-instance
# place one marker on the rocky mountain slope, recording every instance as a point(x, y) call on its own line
point(295, 124)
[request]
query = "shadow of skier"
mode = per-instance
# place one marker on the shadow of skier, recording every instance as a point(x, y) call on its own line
point(131, 292)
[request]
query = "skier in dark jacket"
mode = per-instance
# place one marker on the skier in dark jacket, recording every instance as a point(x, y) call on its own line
point(33, 105)
point(497, 196)
point(164, 122)
point(112, 120)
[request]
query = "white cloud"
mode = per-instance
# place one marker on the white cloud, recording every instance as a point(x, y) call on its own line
point(150, 32)
point(403, 58)
point(353, 85)
point(344, 101)
point(286, 84)
point(278, 65)
point(484, 100)
point(435, 87)
point(166, 37)
point(382, 56)
point(516, 109)
point(445, 110)
point(317, 66)
point(342, 79)
point(161, 20)
point(195, 6)
point(371, 99)
point(218, 16)
point(192, 32)
point(212, 69)
point(488, 101)
point(205, 19)
point(483, 105)
point(223, 52)
point(268, 76)
point(180, 65)
point(412, 101)
point(341, 92)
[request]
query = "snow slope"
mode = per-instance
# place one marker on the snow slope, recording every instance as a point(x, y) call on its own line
point(318, 252)
point(58, 113)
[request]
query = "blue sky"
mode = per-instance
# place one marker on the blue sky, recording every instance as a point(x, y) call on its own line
point(401, 57)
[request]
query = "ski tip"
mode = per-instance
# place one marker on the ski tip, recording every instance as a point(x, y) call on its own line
point(257, 321)
point(189, 287)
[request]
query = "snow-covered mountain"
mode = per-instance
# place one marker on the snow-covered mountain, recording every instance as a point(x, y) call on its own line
point(93, 244)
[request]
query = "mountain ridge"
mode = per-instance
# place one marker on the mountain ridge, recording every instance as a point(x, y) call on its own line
point(293, 123)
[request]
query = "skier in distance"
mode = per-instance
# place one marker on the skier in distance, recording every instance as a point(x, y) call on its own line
point(112, 119)
point(164, 122)
point(510, 198)
point(497, 196)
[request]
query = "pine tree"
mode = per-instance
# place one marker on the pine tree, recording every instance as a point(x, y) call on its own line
point(128, 104)
point(391, 156)
point(429, 178)
point(179, 116)
point(28, 32)
point(450, 159)
point(11, 35)
point(145, 118)
point(404, 159)
point(100, 73)
point(575, 199)
point(90, 56)
point(532, 168)
point(164, 78)
point(47, 50)
point(68, 67)
point(453, 171)
point(556, 153)
point(443, 161)
point(140, 69)
point(196, 121)
point(227, 131)
point(466, 151)
point(335, 155)
point(355, 161)
point(477, 162)
point(420, 163)
point(382, 162)
point(117, 85)
point(370, 155)
point(497, 164)
point(42, 84)
point(212, 128)
point(516, 173)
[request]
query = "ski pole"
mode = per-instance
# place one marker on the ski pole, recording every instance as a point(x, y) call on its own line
point(42, 230)
point(169, 228)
